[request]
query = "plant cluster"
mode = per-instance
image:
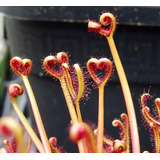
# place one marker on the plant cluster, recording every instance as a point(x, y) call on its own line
point(73, 85)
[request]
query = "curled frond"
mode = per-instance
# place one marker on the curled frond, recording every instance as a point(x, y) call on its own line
point(124, 127)
point(108, 20)
point(118, 123)
point(119, 146)
point(157, 103)
point(153, 123)
point(55, 148)
point(106, 27)
point(15, 90)
point(146, 111)
point(144, 98)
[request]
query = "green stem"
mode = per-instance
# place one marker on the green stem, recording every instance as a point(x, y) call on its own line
point(127, 97)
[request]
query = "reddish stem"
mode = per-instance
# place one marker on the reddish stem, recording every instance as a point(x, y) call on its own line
point(127, 97)
point(100, 120)
point(37, 115)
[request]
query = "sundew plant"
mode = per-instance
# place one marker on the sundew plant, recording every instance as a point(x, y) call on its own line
point(73, 82)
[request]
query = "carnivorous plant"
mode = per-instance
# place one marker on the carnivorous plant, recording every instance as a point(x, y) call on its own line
point(87, 139)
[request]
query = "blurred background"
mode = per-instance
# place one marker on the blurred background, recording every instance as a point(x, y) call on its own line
point(35, 32)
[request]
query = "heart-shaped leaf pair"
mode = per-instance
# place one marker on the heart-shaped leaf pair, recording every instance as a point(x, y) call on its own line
point(53, 64)
point(100, 70)
point(21, 66)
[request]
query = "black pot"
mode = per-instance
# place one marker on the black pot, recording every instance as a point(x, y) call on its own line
point(35, 32)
